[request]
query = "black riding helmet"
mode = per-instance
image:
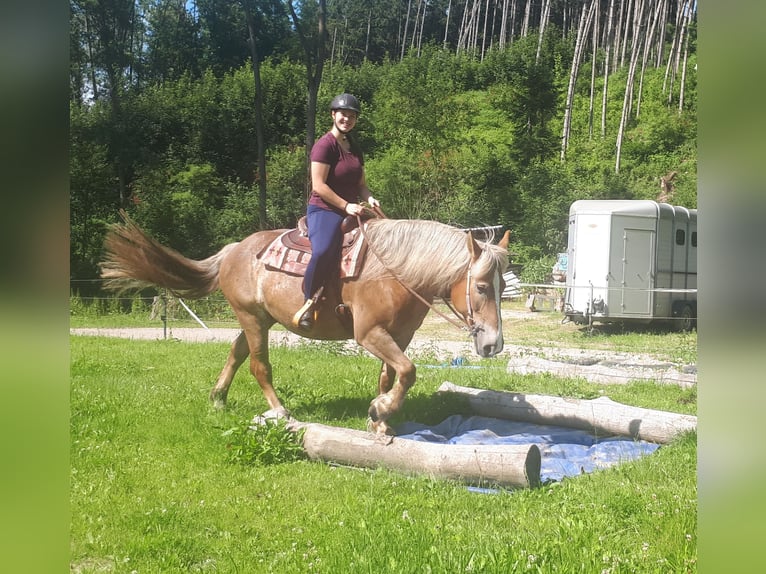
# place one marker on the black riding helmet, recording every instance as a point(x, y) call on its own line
point(345, 102)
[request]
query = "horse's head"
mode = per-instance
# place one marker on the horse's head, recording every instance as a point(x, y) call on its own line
point(477, 295)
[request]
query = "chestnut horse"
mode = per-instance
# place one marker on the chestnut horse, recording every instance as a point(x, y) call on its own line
point(408, 264)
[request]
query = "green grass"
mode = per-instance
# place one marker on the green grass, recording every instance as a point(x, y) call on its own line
point(155, 488)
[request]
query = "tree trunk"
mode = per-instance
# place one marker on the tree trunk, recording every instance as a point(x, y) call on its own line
point(315, 58)
point(251, 27)
point(685, 58)
point(503, 25)
point(625, 35)
point(446, 24)
point(367, 37)
point(647, 49)
point(675, 46)
point(601, 415)
point(627, 101)
point(484, 30)
point(607, 60)
point(406, 26)
point(582, 31)
point(661, 34)
point(543, 23)
point(92, 63)
point(618, 35)
point(525, 23)
point(594, 53)
point(503, 465)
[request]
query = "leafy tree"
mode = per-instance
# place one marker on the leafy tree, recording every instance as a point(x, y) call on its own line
point(174, 47)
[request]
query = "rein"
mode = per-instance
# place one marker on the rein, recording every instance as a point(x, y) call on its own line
point(466, 324)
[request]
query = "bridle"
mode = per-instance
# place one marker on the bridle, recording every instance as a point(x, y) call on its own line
point(466, 322)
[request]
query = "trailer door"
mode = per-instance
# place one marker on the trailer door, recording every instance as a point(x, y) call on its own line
point(637, 272)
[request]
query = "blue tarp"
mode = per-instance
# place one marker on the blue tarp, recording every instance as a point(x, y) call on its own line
point(564, 451)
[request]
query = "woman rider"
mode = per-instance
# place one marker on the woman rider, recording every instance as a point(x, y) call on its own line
point(337, 187)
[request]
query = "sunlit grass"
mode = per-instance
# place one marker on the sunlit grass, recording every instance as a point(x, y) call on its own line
point(154, 488)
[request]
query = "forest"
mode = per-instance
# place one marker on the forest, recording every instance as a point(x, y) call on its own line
point(196, 116)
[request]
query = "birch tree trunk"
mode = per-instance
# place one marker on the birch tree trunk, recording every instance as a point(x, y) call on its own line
point(446, 25)
point(503, 25)
point(618, 35)
point(594, 53)
point(413, 39)
point(625, 38)
point(685, 58)
point(463, 32)
point(582, 31)
point(546, 10)
point(607, 60)
point(627, 101)
point(484, 30)
point(647, 49)
point(675, 46)
point(422, 24)
point(525, 23)
point(406, 25)
point(661, 34)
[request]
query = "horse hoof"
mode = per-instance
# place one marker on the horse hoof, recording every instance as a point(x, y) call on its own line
point(380, 428)
point(218, 401)
point(272, 416)
point(380, 408)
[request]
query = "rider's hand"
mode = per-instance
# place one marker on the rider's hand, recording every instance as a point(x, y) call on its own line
point(373, 202)
point(354, 209)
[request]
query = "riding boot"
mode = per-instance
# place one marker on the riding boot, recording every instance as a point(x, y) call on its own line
point(304, 318)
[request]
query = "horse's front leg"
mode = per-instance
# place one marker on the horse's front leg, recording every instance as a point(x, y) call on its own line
point(387, 373)
point(397, 375)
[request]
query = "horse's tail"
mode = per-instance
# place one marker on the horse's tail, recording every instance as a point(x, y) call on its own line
point(135, 260)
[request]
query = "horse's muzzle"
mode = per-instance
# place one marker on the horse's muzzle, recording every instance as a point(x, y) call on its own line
point(487, 344)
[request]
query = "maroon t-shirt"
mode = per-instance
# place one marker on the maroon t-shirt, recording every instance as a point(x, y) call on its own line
point(345, 170)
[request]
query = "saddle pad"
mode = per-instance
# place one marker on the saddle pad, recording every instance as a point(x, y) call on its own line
point(284, 254)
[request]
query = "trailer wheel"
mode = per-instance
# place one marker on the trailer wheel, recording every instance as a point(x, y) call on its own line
point(686, 319)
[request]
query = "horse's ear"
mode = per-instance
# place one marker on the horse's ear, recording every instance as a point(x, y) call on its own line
point(504, 241)
point(473, 247)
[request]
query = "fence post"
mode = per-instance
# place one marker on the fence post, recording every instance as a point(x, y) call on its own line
point(164, 315)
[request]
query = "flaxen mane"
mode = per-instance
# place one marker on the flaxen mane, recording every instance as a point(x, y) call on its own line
point(424, 254)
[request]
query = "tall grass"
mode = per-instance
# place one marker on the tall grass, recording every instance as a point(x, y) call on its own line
point(154, 487)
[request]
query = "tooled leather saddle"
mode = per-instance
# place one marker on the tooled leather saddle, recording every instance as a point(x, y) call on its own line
point(290, 251)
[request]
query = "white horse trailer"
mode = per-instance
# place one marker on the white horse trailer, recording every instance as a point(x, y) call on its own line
point(631, 261)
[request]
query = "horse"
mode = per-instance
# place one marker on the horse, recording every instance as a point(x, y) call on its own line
point(409, 263)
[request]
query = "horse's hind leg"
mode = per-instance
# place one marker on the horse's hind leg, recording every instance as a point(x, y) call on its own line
point(258, 342)
point(237, 355)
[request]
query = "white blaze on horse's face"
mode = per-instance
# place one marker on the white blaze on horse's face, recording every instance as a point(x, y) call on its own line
point(487, 320)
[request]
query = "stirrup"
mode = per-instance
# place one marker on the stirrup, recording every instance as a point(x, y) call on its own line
point(306, 307)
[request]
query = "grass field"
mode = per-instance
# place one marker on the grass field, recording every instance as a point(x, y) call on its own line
point(155, 488)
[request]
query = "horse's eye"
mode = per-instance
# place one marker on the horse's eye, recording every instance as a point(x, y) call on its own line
point(481, 288)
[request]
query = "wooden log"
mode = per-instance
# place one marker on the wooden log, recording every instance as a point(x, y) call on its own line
point(601, 415)
point(502, 465)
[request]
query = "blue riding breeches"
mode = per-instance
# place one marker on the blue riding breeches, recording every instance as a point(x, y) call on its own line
point(326, 242)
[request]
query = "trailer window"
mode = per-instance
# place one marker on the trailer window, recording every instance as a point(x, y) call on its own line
point(694, 239)
point(680, 236)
